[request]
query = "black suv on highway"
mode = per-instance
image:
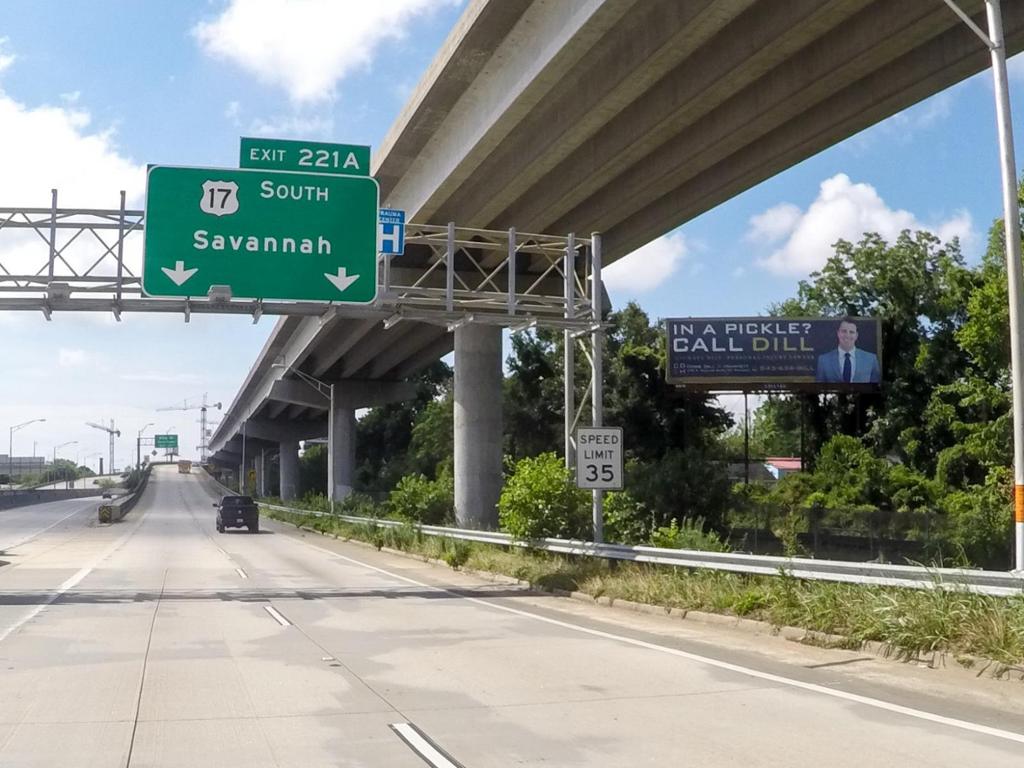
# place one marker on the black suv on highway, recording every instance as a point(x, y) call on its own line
point(236, 512)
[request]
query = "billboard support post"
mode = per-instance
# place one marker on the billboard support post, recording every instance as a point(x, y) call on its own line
point(803, 431)
point(746, 440)
point(597, 394)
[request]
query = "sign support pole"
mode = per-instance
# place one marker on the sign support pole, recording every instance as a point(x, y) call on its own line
point(330, 452)
point(569, 352)
point(597, 394)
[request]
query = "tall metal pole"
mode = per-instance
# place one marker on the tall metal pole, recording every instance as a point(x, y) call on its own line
point(53, 233)
point(569, 351)
point(597, 395)
point(330, 452)
point(241, 468)
point(1011, 219)
point(10, 460)
point(202, 432)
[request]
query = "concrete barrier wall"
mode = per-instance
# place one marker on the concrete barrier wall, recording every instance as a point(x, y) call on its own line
point(115, 511)
point(24, 498)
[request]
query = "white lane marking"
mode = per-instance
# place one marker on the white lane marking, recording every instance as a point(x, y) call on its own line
point(26, 539)
point(919, 714)
point(241, 573)
point(68, 584)
point(411, 736)
point(223, 553)
point(277, 616)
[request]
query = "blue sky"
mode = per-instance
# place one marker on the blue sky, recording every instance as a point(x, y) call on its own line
point(87, 102)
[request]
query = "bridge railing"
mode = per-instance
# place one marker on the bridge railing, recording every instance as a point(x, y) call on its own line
point(997, 583)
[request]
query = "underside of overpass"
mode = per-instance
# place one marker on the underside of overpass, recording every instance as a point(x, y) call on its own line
point(625, 117)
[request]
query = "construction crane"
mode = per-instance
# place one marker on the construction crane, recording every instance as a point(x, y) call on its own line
point(113, 433)
point(203, 437)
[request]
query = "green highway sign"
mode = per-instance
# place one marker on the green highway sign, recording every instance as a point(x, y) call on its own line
point(307, 156)
point(263, 234)
point(165, 441)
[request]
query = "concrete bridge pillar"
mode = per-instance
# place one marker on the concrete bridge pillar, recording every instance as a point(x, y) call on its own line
point(344, 457)
point(478, 432)
point(289, 469)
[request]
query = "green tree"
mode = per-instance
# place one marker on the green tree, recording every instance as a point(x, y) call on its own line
point(533, 399)
point(919, 287)
point(384, 434)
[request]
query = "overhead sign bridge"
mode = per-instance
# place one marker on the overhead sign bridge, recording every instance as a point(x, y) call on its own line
point(90, 260)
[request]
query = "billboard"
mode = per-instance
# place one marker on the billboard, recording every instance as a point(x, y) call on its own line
point(838, 354)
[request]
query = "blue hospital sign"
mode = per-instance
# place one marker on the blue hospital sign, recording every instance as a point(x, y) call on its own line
point(391, 232)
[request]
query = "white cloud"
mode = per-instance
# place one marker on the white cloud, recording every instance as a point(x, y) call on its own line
point(774, 224)
point(47, 147)
point(734, 405)
point(56, 147)
point(232, 110)
point(6, 59)
point(310, 127)
point(845, 210)
point(646, 268)
point(924, 115)
point(70, 358)
point(155, 377)
point(904, 127)
point(306, 46)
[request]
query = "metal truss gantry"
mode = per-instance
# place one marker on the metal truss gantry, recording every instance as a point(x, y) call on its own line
point(90, 260)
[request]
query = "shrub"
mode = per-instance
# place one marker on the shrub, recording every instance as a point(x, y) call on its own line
point(681, 484)
point(540, 500)
point(315, 501)
point(626, 520)
point(358, 505)
point(979, 520)
point(456, 552)
point(430, 502)
point(689, 535)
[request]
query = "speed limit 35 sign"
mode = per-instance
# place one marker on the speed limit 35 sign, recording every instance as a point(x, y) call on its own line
point(599, 458)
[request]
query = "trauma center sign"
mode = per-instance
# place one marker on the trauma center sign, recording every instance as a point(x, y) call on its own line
point(263, 234)
point(750, 353)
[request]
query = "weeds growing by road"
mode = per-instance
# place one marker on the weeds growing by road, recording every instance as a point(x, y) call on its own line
point(910, 621)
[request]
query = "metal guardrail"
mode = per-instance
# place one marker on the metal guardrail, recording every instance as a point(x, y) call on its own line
point(998, 583)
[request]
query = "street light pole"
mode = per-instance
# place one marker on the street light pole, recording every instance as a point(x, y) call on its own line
point(70, 442)
point(1011, 218)
point(138, 446)
point(10, 450)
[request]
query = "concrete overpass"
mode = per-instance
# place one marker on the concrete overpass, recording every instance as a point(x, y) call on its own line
point(626, 117)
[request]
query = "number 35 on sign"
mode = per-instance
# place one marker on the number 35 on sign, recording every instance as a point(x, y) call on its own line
point(599, 458)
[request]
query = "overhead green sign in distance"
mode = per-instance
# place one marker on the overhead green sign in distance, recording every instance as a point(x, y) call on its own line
point(305, 156)
point(165, 441)
point(265, 234)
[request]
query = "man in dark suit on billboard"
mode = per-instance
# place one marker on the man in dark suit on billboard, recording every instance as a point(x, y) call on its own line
point(846, 364)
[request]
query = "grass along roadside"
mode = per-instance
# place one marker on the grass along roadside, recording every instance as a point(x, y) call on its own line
point(910, 621)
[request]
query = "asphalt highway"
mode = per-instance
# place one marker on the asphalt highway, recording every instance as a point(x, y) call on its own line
point(159, 642)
